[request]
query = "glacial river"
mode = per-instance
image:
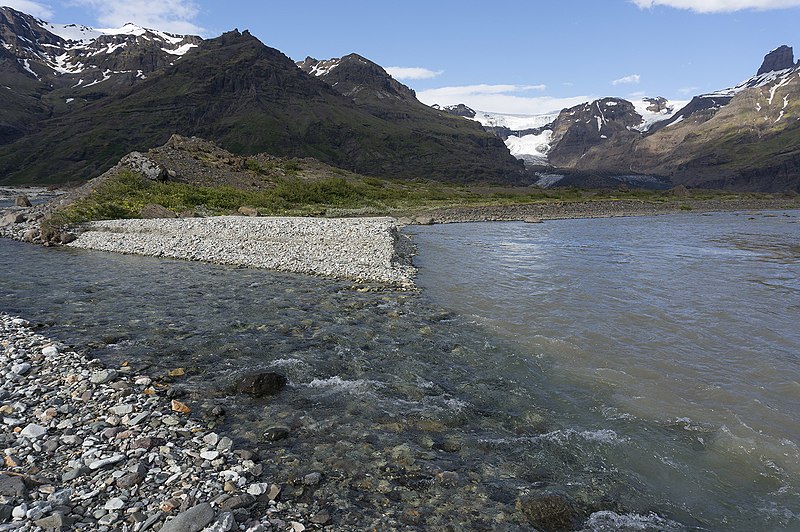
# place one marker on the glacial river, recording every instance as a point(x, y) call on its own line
point(642, 372)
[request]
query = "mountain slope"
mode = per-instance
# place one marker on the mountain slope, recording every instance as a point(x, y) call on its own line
point(233, 90)
point(743, 138)
point(462, 146)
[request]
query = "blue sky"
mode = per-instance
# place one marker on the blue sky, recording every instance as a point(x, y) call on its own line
point(516, 56)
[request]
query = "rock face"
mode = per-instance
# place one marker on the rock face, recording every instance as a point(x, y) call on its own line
point(779, 59)
point(580, 128)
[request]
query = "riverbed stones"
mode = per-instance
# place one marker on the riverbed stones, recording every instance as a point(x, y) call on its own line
point(76, 458)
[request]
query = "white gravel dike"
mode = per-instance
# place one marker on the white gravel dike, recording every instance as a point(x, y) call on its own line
point(358, 249)
point(94, 448)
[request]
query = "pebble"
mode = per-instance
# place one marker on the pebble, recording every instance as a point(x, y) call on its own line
point(102, 376)
point(33, 431)
point(20, 369)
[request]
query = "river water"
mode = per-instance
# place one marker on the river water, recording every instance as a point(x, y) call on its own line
point(645, 372)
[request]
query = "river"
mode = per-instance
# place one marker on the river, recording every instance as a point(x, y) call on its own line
point(645, 372)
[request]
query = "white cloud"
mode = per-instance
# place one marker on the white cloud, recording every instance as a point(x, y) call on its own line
point(687, 90)
point(37, 9)
point(632, 79)
point(412, 72)
point(174, 16)
point(509, 99)
point(719, 6)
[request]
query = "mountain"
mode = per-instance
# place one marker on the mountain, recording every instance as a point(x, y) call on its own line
point(746, 137)
point(743, 138)
point(462, 147)
point(78, 99)
point(49, 70)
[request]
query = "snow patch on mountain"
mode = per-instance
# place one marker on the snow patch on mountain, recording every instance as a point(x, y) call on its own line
point(514, 122)
point(531, 148)
point(651, 114)
point(776, 78)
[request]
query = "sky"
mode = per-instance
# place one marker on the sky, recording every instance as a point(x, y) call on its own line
point(507, 56)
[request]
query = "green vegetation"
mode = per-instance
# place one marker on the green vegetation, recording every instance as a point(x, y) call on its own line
point(125, 194)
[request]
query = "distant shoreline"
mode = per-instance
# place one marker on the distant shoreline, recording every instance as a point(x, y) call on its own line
point(561, 210)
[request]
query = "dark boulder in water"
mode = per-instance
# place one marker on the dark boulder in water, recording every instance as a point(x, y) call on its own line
point(548, 512)
point(261, 384)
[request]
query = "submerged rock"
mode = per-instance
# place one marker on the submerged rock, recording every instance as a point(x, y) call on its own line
point(548, 512)
point(261, 384)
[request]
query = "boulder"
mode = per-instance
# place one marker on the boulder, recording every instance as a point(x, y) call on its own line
point(30, 235)
point(261, 384)
point(680, 191)
point(22, 201)
point(248, 211)
point(67, 238)
point(154, 210)
point(139, 162)
point(548, 512)
point(12, 218)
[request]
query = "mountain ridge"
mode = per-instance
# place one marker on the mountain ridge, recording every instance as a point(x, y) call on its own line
point(241, 94)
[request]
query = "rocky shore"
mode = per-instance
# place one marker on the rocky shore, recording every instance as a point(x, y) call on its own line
point(93, 448)
point(359, 249)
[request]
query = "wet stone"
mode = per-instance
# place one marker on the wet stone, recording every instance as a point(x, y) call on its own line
point(261, 384)
point(276, 433)
point(548, 512)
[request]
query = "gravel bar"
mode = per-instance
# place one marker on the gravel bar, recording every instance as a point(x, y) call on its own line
point(358, 249)
point(93, 448)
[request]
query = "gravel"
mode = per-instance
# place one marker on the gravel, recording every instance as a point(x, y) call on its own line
point(73, 462)
point(358, 249)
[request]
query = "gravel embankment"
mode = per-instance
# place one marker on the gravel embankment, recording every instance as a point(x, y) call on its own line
point(359, 249)
point(93, 448)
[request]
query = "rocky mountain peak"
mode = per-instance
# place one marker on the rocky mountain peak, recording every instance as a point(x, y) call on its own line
point(780, 58)
point(353, 74)
point(457, 110)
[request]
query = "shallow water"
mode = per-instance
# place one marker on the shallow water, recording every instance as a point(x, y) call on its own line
point(492, 371)
point(684, 327)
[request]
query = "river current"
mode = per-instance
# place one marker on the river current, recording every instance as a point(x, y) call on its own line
point(643, 371)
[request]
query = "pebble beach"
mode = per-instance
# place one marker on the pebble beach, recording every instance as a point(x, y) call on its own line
point(93, 448)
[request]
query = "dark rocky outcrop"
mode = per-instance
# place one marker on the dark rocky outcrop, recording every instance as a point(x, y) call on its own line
point(780, 58)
